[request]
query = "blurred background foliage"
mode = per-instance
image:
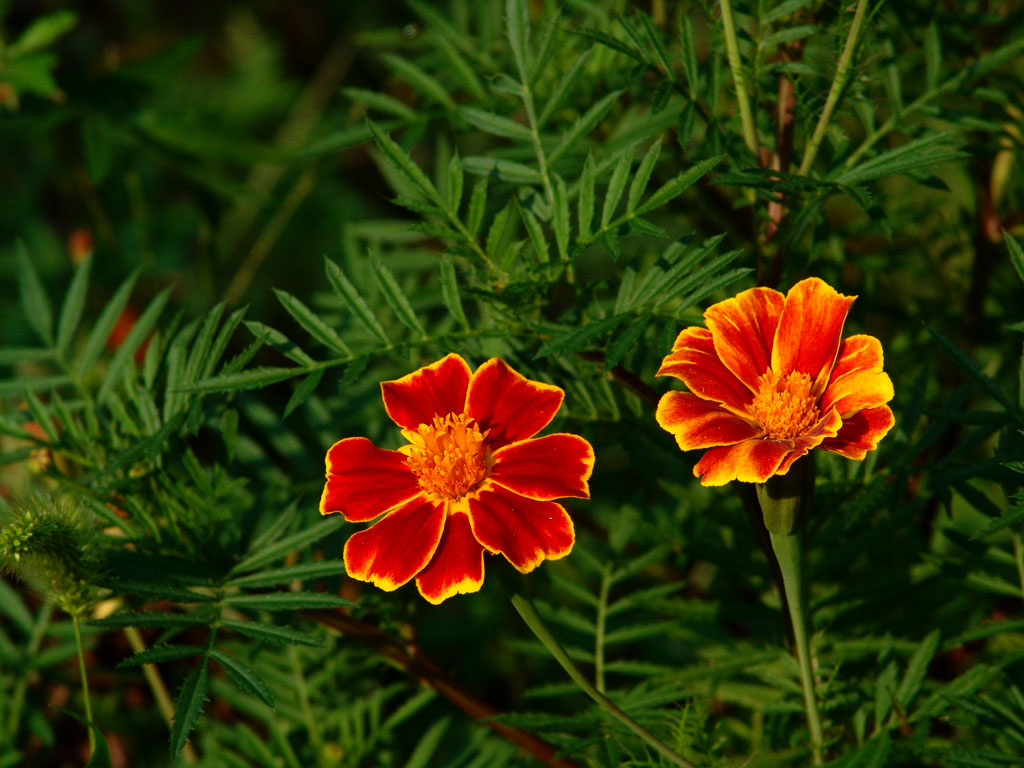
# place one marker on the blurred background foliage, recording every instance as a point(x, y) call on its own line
point(565, 185)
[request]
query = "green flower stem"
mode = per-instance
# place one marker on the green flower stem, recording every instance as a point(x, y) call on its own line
point(732, 51)
point(85, 680)
point(788, 551)
point(838, 84)
point(533, 620)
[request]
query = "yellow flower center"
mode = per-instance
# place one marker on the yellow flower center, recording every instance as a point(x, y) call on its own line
point(447, 456)
point(784, 406)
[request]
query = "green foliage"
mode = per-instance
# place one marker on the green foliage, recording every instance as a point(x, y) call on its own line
point(276, 223)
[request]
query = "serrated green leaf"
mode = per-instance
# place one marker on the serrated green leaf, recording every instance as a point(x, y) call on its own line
point(422, 756)
point(625, 341)
point(495, 124)
point(316, 570)
point(142, 328)
point(584, 125)
point(453, 184)
point(279, 341)
point(517, 23)
point(616, 186)
point(461, 68)
point(312, 323)
point(423, 83)
point(302, 392)
point(560, 217)
point(381, 102)
point(71, 309)
point(245, 677)
point(396, 298)
point(536, 234)
point(34, 301)
point(1016, 254)
point(915, 155)
point(577, 338)
point(42, 33)
point(404, 164)
point(271, 633)
point(347, 291)
point(147, 619)
point(505, 170)
point(642, 176)
point(188, 706)
point(968, 366)
point(286, 601)
point(932, 55)
point(450, 291)
point(678, 185)
point(101, 331)
point(689, 54)
point(1011, 518)
point(564, 86)
point(251, 379)
point(917, 668)
point(585, 204)
point(477, 206)
point(297, 541)
point(159, 654)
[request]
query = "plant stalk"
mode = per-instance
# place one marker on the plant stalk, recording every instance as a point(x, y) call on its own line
point(732, 51)
point(838, 84)
point(533, 620)
point(85, 681)
point(788, 551)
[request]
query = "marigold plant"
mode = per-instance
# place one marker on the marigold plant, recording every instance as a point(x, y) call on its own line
point(472, 478)
point(771, 379)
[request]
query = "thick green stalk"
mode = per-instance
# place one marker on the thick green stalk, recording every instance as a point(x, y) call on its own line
point(732, 51)
point(85, 681)
point(838, 84)
point(789, 553)
point(533, 620)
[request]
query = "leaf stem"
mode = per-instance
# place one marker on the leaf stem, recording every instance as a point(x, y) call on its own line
point(732, 51)
point(85, 680)
point(838, 84)
point(529, 614)
point(602, 614)
point(788, 551)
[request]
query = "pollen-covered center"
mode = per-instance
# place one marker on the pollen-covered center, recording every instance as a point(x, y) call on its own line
point(784, 406)
point(447, 455)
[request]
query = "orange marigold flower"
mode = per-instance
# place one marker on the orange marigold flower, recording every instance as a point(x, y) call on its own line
point(770, 379)
point(472, 478)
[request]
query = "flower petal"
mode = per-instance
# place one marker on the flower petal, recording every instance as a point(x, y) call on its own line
point(363, 481)
point(698, 423)
point(861, 432)
point(434, 390)
point(694, 361)
point(857, 380)
point(827, 426)
point(752, 461)
point(525, 531)
point(508, 404)
point(399, 546)
point(809, 331)
point(545, 468)
point(457, 567)
point(743, 329)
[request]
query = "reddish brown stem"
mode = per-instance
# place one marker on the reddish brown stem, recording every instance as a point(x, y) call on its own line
point(409, 658)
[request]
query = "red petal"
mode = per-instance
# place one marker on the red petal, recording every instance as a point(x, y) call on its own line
point(457, 567)
point(392, 551)
point(546, 468)
point(752, 461)
point(698, 423)
point(523, 530)
point(809, 331)
point(510, 405)
point(694, 361)
point(861, 432)
point(828, 426)
point(743, 329)
point(857, 380)
point(434, 390)
point(364, 481)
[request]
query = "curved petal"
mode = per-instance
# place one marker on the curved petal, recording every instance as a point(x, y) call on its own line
point(457, 567)
point(508, 404)
point(809, 331)
point(525, 531)
point(752, 461)
point(857, 380)
point(861, 432)
point(828, 426)
point(364, 481)
point(434, 390)
point(698, 423)
point(743, 330)
point(545, 468)
point(396, 548)
point(694, 361)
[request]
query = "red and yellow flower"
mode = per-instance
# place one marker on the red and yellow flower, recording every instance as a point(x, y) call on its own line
point(472, 478)
point(770, 379)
